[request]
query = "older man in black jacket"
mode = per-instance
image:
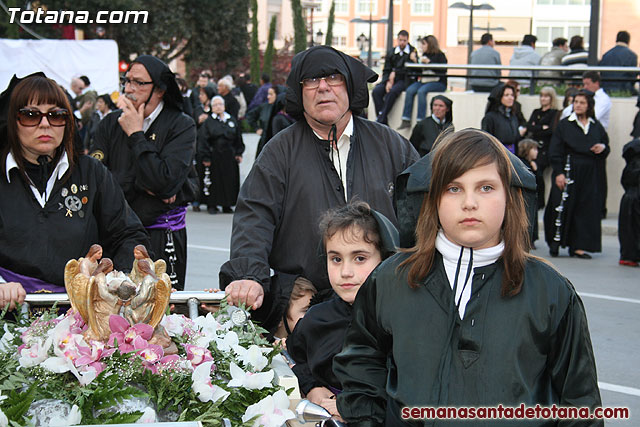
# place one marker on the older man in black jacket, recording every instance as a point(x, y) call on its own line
point(329, 156)
point(149, 145)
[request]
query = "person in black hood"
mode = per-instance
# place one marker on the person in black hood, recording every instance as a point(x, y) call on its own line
point(328, 157)
point(427, 130)
point(500, 118)
point(149, 145)
point(355, 239)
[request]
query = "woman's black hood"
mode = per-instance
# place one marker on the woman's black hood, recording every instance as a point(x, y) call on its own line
point(448, 103)
point(163, 78)
point(320, 61)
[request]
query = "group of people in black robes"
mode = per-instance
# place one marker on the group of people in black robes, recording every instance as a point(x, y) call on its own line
point(575, 147)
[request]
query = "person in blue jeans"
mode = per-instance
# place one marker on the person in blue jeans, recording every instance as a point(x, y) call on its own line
point(431, 81)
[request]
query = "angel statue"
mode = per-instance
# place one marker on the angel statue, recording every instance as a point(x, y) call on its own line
point(96, 291)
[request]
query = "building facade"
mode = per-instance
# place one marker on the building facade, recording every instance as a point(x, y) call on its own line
point(507, 20)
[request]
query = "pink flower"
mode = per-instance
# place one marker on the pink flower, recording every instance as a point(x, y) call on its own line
point(92, 354)
point(129, 337)
point(78, 325)
point(197, 355)
point(151, 355)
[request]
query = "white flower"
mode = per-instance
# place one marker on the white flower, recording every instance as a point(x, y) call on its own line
point(227, 342)
point(240, 378)
point(5, 341)
point(4, 421)
point(35, 354)
point(148, 416)
point(74, 418)
point(273, 410)
point(174, 324)
point(202, 386)
point(253, 356)
point(208, 325)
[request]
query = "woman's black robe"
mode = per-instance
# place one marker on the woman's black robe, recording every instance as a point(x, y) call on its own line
point(220, 142)
point(582, 210)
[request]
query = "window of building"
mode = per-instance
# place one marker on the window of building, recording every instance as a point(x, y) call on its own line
point(339, 35)
point(342, 7)
point(422, 7)
point(419, 30)
point(547, 33)
point(365, 7)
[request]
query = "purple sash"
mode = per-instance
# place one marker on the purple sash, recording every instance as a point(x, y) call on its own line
point(31, 285)
point(174, 220)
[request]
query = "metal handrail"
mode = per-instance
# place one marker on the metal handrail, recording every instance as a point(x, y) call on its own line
point(191, 298)
point(577, 67)
point(417, 68)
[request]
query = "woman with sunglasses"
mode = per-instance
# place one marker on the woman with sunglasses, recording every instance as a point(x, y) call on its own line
point(55, 204)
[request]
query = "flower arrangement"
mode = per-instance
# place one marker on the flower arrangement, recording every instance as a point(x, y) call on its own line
point(51, 375)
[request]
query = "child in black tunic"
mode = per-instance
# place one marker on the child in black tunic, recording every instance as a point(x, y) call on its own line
point(356, 239)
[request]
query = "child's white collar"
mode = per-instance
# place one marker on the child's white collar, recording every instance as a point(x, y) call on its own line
point(451, 256)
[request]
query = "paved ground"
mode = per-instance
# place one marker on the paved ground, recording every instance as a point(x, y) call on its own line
point(611, 295)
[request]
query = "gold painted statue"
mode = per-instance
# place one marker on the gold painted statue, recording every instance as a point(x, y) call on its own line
point(97, 291)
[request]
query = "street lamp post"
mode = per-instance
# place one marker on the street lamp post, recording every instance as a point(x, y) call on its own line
point(470, 7)
point(370, 21)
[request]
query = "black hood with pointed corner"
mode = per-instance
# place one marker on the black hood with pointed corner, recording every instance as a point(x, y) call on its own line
point(389, 237)
point(163, 78)
point(5, 97)
point(320, 61)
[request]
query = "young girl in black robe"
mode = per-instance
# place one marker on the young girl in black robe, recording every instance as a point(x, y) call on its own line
point(466, 317)
point(356, 239)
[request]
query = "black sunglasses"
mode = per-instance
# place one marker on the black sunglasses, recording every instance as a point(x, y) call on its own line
point(32, 117)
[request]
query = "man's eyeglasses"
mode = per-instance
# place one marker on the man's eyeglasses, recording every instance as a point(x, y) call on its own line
point(135, 84)
point(314, 82)
point(31, 117)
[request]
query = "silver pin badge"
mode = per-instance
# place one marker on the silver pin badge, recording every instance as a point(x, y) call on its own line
point(73, 203)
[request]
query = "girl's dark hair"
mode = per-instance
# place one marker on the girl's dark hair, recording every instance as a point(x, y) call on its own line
point(433, 47)
point(456, 154)
point(591, 103)
point(37, 90)
point(569, 93)
point(349, 219)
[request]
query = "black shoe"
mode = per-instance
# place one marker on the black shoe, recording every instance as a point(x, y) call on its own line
point(212, 211)
point(196, 208)
point(406, 124)
point(583, 255)
point(227, 209)
point(554, 254)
